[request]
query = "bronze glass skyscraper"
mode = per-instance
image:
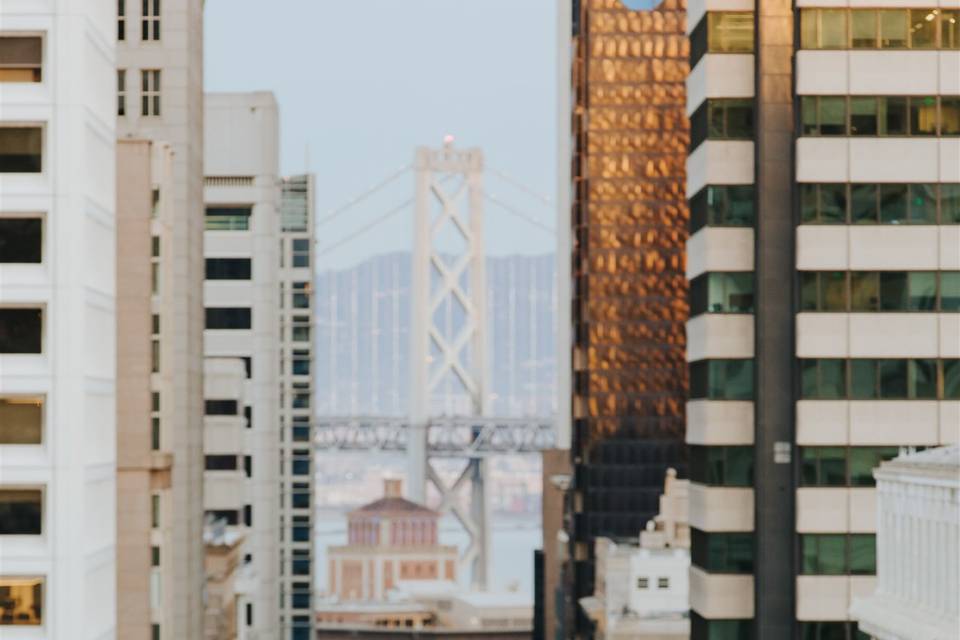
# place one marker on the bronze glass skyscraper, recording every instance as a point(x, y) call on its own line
point(629, 289)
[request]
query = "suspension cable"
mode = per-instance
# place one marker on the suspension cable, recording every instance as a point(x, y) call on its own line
point(333, 213)
point(526, 218)
point(519, 185)
point(365, 228)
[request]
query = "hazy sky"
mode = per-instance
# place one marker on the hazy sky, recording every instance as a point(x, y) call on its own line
point(362, 82)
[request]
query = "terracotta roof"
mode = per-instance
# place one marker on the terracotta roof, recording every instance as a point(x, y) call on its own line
point(394, 505)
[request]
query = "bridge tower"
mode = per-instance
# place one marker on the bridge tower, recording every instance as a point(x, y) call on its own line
point(449, 375)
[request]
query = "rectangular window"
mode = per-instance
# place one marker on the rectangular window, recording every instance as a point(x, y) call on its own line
point(301, 252)
point(923, 28)
point(229, 268)
point(21, 512)
point(722, 552)
point(21, 58)
point(863, 29)
point(21, 240)
point(220, 407)
point(154, 556)
point(722, 205)
point(21, 330)
point(220, 463)
point(301, 531)
point(248, 466)
point(823, 203)
point(121, 20)
point(121, 92)
point(720, 379)
point(301, 329)
point(228, 318)
point(717, 292)
point(150, 92)
point(949, 29)
point(842, 466)
point(300, 563)
point(923, 116)
point(155, 511)
point(730, 31)
point(831, 630)
point(229, 516)
point(823, 379)
point(643, 582)
point(227, 218)
point(720, 629)
point(893, 28)
point(150, 20)
point(21, 420)
point(300, 495)
point(722, 466)
point(300, 464)
point(300, 364)
point(833, 554)
point(950, 115)
point(23, 601)
point(21, 149)
point(155, 356)
point(301, 295)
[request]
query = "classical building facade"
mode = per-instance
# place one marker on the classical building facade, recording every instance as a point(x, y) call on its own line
point(241, 298)
point(58, 225)
point(629, 294)
point(918, 549)
point(824, 266)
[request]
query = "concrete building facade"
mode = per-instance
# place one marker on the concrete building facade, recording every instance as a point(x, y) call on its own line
point(297, 386)
point(57, 281)
point(823, 264)
point(241, 298)
point(158, 83)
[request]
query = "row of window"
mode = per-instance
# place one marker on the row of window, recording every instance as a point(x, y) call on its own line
point(838, 554)
point(721, 379)
point(149, 92)
point(880, 379)
point(724, 552)
point(722, 119)
point(879, 115)
point(21, 59)
point(149, 20)
point(228, 218)
point(722, 292)
point(742, 629)
point(866, 203)
point(732, 466)
point(865, 291)
point(932, 28)
point(229, 268)
point(724, 205)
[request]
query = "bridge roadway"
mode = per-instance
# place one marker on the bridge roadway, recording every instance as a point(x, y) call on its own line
point(453, 437)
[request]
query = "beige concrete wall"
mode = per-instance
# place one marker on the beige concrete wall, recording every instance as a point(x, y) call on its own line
point(134, 188)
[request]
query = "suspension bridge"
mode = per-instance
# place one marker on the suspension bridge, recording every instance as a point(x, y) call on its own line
point(449, 373)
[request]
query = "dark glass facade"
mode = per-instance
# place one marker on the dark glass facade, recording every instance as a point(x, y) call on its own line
point(629, 228)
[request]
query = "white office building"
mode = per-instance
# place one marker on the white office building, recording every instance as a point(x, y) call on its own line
point(57, 321)
point(241, 297)
point(824, 268)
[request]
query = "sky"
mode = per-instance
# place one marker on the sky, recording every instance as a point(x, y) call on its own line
point(361, 83)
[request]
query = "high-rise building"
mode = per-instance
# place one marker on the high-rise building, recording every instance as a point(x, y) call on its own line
point(158, 78)
point(241, 298)
point(57, 321)
point(824, 287)
point(297, 371)
point(629, 294)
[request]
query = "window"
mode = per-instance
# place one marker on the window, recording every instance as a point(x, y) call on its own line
point(155, 356)
point(301, 295)
point(121, 92)
point(220, 407)
point(832, 630)
point(248, 416)
point(722, 552)
point(21, 240)
point(229, 268)
point(150, 20)
point(884, 291)
point(879, 116)
point(228, 318)
point(23, 601)
point(829, 554)
point(227, 218)
point(121, 20)
point(301, 252)
point(722, 32)
point(21, 59)
point(301, 329)
point(21, 330)
point(301, 530)
point(155, 631)
point(301, 428)
point(21, 419)
point(154, 556)
point(722, 119)
point(20, 149)
point(300, 563)
point(874, 379)
point(721, 379)
point(248, 515)
point(220, 463)
point(300, 464)
point(248, 466)
point(300, 495)
point(300, 364)
point(249, 613)
point(300, 400)
point(663, 583)
point(21, 512)
point(722, 206)
point(150, 92)
point(300, 598)
point(229, 516)
point(643, 582)
point(722, 466)
point(722, 293)
point(726, 629)
point(155, 511)
point(950, 378)
point(878, 29)
point(842, 466)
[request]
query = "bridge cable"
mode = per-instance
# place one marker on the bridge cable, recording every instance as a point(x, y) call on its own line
point(333, 213)
point(519, 185)
point(523, 216)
